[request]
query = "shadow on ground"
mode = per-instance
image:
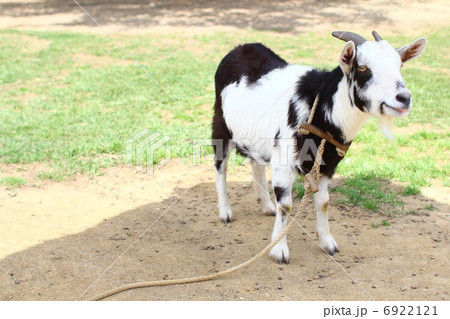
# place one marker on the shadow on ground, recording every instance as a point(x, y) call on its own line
point(407, 260)
point(281, 16)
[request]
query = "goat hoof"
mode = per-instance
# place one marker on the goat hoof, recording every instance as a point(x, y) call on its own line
point(328, 244)
point(259, 201)
point(270, 213)
point(226, 220)
point(332, 251)
point(283, 260)
point(225, 214)
point(280, 253)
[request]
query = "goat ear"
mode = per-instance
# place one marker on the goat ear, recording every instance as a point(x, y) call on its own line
point(413, 50)
point(347, 57)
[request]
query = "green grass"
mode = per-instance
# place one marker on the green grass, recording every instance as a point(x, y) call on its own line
point(298, 189)
point(72, 100)
point(12, 182)
point(54, 176)
point(368, 192)
point(384, 223)
point(410, 212)
point(411, 190)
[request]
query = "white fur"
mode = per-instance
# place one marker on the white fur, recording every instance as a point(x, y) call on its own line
point(386, 125)
point(349, 118)
point(254, 113)
point(385, 73)
point(280, 252)
point(283, 176)
point(321, 199)
point(225, 213)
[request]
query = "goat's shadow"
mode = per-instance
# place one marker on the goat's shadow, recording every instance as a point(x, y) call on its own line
point(188, 240)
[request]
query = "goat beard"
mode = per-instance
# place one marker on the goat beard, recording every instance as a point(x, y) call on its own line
point(386, 126)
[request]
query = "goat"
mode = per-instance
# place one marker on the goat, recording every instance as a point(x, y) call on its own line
point(261, 100)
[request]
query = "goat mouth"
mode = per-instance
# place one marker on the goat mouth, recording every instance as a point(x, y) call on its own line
point(399, 110)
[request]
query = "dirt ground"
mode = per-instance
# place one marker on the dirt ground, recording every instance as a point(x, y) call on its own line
point(59, 239)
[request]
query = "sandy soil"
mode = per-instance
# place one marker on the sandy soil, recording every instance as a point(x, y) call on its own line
point(57, 239)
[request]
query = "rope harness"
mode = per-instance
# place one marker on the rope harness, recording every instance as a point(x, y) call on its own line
point(311, 181)
point(307, 128)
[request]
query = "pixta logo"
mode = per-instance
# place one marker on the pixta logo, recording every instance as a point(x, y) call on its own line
point(147, 149)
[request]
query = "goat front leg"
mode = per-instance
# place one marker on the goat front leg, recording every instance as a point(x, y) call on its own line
point(282, 179)
point(321, 199)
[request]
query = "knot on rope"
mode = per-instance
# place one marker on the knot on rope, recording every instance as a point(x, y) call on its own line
point(340, 152)
point(303, 131)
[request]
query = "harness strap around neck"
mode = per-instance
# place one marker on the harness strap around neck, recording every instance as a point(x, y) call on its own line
point(306, 128)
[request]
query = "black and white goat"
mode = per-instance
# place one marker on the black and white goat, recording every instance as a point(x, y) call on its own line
point(261, 100)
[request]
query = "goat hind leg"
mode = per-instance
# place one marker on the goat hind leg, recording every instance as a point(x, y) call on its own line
point(225, 213)
point(260, 185)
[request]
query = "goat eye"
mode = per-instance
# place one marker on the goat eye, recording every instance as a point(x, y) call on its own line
point(362, 68)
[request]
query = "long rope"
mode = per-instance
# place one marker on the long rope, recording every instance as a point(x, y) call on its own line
point(315, 172)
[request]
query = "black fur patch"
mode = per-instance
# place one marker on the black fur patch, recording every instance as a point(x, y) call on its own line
point(293, 120)
point(221, 134)
point(245, 152)
point(242, 150)
point(253, 60)
point(218, 164)
point(277, 137)
point(359, 101)
point(330, 157)
point(326, 84)
point(362, 78)
point(280, 192)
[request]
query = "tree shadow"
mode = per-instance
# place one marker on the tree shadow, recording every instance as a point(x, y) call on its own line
point(281, 16)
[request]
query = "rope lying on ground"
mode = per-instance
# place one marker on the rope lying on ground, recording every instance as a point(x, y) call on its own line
point(315, 173)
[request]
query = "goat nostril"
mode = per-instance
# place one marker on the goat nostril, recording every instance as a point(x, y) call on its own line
point(403, 98)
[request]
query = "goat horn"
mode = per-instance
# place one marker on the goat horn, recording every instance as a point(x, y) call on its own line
point(377, 36)
point(349, 36)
